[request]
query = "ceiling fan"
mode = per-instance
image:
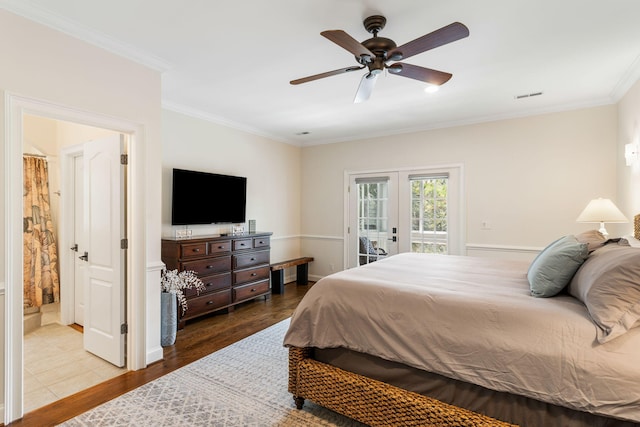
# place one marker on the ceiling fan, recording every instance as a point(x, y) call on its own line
point(375, 53)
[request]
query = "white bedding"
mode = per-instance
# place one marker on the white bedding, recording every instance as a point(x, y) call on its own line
point(473, 319)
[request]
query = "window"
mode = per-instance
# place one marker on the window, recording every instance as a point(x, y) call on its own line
point(429, 218)
point(373, 221)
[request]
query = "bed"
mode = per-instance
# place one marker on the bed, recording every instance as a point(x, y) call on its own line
point(415, 339)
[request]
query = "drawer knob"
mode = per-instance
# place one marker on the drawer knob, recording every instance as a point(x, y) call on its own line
point(220, 247)
point(208, 284)
point(261, 242)
point(253, 289)
point(254, 274)
point(209, 302)
point(196, 250)
point(210, 266)
point(253, 259)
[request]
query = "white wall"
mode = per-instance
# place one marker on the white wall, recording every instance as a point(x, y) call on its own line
point(44, 64)
point(529, 178)
point(272, 170)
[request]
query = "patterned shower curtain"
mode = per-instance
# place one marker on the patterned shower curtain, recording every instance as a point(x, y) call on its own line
point(41, 281)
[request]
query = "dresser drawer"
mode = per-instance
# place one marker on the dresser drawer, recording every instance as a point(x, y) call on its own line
point(209, 266)
point(219, 247)
point(192, 250)
point(207, 303)
point(250, 259)
point(261, 242)
point(251, 275)
point(241, 293)
point(211, 284)
point(240, 244)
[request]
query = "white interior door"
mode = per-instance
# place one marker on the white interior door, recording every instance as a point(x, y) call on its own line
point(104, 297)
point(80, 266)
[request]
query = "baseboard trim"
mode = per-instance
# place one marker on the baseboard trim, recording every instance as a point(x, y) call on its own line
point(154, 355)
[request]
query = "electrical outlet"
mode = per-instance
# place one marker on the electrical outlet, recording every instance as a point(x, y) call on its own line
point(485, 225)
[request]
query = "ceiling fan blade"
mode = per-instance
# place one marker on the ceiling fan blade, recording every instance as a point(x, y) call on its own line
point(444, 35)
point(416, 72)
point(347, 42)
point(365, 88)
point(323, 75)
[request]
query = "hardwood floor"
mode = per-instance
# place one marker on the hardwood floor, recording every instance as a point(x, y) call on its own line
point(199, 338)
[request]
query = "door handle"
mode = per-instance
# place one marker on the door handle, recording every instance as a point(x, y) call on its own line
point(74, 247)
point(84, 257)
point(393, 239)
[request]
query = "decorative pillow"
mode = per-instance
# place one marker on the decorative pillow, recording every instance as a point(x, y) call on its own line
point(608, 284)
point(629, 241)
point(554, 267)
point(593, 238)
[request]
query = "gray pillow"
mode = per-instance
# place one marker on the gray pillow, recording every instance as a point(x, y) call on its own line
point(608, 284)
point(554, 267)
point(593, 238)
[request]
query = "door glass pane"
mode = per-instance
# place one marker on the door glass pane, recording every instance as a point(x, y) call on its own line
point(429, 216)
point(373, 220)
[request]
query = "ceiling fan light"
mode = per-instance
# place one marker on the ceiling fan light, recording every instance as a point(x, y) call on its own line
point(431, 88)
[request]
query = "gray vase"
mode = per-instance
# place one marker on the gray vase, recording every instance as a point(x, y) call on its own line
point(168, 318)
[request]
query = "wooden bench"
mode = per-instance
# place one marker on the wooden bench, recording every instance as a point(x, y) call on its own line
point(277, 273)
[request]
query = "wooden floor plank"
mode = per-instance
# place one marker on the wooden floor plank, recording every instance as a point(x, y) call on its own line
point(199, 338)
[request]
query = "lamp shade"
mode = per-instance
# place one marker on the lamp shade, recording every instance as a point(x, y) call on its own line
point(601, 210)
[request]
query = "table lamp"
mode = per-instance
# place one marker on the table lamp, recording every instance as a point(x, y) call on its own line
point(601, 210)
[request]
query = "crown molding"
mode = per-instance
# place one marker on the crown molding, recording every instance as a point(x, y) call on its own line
point(74, 29)
point(203, 115)
point(628, 79)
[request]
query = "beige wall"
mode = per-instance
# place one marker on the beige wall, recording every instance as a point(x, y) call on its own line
point(528, 177)
point(43, 64)
point(629, 132)
point(272, 170)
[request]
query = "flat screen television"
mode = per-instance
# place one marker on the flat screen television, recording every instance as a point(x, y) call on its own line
point(207, 198)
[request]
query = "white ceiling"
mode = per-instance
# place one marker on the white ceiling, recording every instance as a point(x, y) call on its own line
point(231, 61)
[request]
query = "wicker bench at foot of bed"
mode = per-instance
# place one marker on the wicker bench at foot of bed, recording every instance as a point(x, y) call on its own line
point(370, 401)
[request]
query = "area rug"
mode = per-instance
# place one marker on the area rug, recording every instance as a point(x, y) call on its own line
point(244, 384)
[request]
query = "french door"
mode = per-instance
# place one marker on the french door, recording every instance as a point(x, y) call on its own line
point(404, 211)
point(373, 212)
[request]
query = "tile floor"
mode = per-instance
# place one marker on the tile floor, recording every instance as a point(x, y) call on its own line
point(56, 366)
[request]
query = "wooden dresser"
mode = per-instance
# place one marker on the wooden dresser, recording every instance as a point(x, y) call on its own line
point(233, 269)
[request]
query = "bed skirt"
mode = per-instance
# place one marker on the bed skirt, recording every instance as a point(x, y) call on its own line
point(370, 401)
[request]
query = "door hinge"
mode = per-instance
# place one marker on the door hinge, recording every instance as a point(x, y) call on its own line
point(124, 328)
point(348, 230)
point(124, 159)
point(124, 244)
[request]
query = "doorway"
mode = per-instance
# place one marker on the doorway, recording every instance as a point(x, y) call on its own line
point(139, 273)
point(408, 210)
point(56, 360)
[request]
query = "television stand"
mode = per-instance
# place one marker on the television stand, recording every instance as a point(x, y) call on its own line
point(233, 268)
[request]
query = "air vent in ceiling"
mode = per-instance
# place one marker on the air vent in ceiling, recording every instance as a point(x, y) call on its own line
point(528, 95)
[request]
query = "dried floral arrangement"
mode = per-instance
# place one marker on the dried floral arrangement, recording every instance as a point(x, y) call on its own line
point(176, 282)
